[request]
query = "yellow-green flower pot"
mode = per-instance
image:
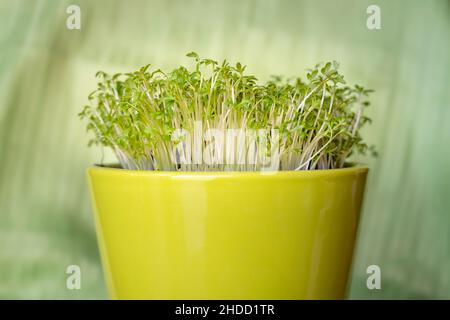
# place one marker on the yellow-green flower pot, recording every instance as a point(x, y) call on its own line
point(227, 235)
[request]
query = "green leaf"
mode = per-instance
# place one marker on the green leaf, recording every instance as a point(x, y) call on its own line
point(193, 54)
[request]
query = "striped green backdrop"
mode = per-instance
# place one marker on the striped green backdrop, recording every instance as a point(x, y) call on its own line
point(46, 72)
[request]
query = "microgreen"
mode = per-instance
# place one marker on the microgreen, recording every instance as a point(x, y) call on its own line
point(144, 116)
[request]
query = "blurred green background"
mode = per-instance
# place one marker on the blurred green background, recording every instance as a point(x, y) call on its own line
point(47, 71)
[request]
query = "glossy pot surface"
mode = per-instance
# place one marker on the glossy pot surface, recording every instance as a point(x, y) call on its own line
point(227, 235)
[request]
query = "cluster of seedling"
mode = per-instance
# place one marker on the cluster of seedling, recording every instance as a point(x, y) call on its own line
point(149, 119)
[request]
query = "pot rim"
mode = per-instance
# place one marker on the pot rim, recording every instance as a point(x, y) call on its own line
point(115, 170)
